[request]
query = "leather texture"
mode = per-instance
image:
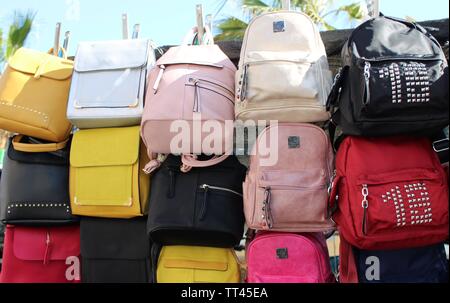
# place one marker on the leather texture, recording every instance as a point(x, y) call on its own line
point(109, 82)
point(34, 188)
point(33, 95)
point(202, 207)
point(288, 258)
point(296, 61)
point(290, 195)
point(191, 83)
point(106, 176)
point(394, 81)
point(405, 188)
point(38, 254)
point(114, 250)
point(195, 264)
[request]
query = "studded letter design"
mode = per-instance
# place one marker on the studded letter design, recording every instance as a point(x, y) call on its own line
point(410, 82)
point(412, 204)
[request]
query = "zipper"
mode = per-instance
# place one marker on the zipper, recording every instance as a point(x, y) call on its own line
point(367, 66)
point(213, 83)
point(244, 83)
point(267, 213)
point(47, 248)
point(162, 68)
point(399, 59)
point(197, 102)
point(172, 181)
point(331, 183)
point(207, 186)
point(365, 206)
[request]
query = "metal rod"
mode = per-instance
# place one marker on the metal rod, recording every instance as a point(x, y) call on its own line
point(136, 29)
point(57, 37)
point(200, 28)
point(286, 5)
point(66, 40)
point(124, 26)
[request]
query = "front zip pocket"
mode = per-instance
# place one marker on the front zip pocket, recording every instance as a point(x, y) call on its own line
point(289, 80)
point(394, 201)
point(393, 86)
point(217, 189)
point(202, 89)
point(287, 199)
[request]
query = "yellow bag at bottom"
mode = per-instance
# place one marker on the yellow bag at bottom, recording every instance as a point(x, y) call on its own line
point(194, 264)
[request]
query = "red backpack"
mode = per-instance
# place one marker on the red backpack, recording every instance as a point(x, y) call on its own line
point(390, 193)
point(40, 254)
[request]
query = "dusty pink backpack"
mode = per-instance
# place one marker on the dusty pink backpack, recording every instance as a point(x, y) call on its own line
point(189, 83)
point(288, 258)
point(290, 194)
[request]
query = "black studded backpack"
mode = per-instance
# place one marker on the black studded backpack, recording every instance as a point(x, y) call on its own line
point(394, 81)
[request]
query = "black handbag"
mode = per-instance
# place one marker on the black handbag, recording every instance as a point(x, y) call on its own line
point(394, 81)
point(34, 188)
point(203, 207)
point(114, 250)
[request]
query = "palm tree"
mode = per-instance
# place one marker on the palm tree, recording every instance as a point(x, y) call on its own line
point(233, 28)
point(17, 34)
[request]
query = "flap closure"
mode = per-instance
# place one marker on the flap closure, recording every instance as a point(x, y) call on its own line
point(208, 55)
point(42, 243)
point(193, 264)
point(105, 147)
point(41, 64)
point(111, 55)
point(114, 239)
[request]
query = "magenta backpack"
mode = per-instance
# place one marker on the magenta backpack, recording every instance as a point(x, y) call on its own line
point(288, 258)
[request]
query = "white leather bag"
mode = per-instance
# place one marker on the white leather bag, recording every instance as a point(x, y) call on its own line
point(109, 82)
point(283, 70)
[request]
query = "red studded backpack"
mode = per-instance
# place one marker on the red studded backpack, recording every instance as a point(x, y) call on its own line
point(389, 193)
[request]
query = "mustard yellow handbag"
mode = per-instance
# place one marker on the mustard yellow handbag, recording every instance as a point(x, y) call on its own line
point(195, 264)
point(33, 95)
point(106, 177)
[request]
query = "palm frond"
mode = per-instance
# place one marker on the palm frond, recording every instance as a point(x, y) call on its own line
point(231, 29)
point(18, 31)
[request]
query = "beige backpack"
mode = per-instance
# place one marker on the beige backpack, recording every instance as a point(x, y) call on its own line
point(283, 71)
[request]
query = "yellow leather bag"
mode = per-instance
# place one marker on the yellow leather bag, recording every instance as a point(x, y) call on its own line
point(194, 264)
point(106, 176)
point(34, 90)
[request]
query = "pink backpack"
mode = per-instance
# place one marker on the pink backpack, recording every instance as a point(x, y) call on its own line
point(190, 83)
point(292, 194)
point(288, 258)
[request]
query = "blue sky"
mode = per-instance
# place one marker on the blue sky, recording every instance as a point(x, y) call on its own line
point(164, 21)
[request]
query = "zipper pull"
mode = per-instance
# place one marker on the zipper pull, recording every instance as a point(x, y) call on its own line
point(162, 68)
point(367, 78)
point(47, 248)
point(205, 187)
point(365, 206)
point(197, 105)
point(331, 183)
point(243, 94)
point(267, 215)
point(171, 191)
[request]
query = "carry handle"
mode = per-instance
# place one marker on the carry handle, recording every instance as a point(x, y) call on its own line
point(190, 161)
point(37, 148)
point(62, 49)
point(189, 39)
